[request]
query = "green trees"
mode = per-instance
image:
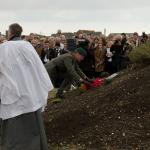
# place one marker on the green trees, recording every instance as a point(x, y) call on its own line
point(141, 54)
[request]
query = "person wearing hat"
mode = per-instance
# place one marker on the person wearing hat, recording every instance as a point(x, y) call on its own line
point(64, 70)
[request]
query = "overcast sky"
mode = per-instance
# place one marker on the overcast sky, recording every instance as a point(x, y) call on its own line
point(47, 16)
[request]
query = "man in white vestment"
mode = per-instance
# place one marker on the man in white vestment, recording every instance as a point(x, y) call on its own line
point(24, 86)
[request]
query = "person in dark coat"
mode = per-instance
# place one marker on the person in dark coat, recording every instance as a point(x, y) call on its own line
point(87, 65)
point(116, 50)
point(46, 51)
point(144, 38)
point(124, 39)
point(64, 70)
point(58, 50)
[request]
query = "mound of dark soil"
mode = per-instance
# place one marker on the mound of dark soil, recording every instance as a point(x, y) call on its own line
point(115, 116)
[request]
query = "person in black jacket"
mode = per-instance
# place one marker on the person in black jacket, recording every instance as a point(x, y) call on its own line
point(116, 50)
point(87, 65)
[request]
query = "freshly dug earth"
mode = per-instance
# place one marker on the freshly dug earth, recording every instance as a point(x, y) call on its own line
point(113, 117)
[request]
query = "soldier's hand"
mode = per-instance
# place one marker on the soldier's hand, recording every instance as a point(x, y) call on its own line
point(89, 80)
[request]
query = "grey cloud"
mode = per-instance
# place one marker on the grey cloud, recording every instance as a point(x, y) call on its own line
point(70, 4)
point(85, 16)
point(76, 14)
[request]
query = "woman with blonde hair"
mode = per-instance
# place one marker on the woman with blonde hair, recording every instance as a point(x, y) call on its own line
point(100, 55)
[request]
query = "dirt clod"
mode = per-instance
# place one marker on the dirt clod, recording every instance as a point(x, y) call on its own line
point(115, 116)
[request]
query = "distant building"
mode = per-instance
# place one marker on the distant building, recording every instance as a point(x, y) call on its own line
point(69, 35)
point(114, 34)
point(66, 34)
point(85, 31)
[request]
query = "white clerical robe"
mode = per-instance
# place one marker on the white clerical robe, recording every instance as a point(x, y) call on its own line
point(24, 82)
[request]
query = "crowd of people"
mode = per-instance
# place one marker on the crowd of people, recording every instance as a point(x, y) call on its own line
point(104, 54)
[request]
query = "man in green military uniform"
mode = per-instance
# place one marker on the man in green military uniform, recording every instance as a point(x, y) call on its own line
point(64, 70)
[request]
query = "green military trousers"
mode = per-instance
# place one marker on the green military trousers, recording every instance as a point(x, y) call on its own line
point(59, 79)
